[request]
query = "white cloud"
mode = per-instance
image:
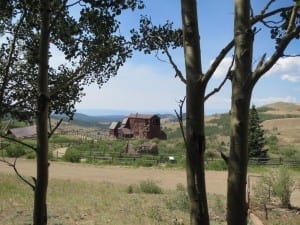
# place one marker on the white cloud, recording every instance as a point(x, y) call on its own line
point(290, 78)
point(287, 68)
point(222, 68)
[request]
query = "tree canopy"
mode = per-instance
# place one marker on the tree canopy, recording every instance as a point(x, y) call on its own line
point(256, 137)
point(85, 32)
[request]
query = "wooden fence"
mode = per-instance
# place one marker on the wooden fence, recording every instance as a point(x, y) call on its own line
point(129, 159)
point(274, 162)
point(156, 159)
point(265, 161)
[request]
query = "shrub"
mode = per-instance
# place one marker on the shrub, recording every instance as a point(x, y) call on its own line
point(30, 154)
point(279, 184)
point(129, 189)
point(150, 187)
point(15, 151)
point(180, 200)
point(216, 165)
point(283, 185)
point(72, 155)
point(262, 190)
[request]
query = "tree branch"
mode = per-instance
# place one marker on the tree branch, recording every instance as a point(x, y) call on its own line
point(230, 45)
point(261, 16)
point(178, 72)
point(218, 60)
point(76, 76)
point(10, 57)
point(276, 55)
point(263, 11)
point(13, 165)
point(295, 55)
point(228, 76)
point(180, 119)
point(19, 142)
point(55, 128)
point(293, 18)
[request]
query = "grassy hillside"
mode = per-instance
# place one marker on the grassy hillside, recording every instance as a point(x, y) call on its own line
point(281, 122)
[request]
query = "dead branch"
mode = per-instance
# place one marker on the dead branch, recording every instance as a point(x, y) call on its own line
point(180, 119)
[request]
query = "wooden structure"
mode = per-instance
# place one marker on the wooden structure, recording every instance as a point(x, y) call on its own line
point(23, 132)
point(138, 125)
point(113, 128)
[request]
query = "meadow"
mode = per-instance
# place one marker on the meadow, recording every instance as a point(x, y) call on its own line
point(87, 203)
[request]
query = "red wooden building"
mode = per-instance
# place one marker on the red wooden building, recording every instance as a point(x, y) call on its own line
point(138, 125)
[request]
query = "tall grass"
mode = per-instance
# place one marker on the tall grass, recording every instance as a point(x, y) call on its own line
point(74, 202)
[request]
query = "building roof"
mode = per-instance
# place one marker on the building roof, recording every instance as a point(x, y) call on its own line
point(23, 132)
point(142, 116)
point(114, 125)
point(124, 121)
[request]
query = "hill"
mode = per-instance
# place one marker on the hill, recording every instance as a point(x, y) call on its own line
point(280, 119)
point(103, 122)
point(282, 108)
point(281, 122)
point(285, 124)
point(80, 119)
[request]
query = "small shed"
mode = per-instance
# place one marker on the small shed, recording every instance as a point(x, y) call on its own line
point(113, 129)
point(23, 132)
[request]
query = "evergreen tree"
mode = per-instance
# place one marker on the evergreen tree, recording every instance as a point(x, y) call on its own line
point(256, 138)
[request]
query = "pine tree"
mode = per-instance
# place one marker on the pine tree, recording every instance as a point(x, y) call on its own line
point(256, 138)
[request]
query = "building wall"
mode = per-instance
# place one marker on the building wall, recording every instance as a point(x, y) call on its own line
point(145, 127)
point(140, 126)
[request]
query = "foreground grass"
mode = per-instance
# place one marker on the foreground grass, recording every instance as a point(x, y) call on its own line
point(91, 203)
point(87, 203)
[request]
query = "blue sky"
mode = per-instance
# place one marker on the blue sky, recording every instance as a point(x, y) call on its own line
point(147, 85)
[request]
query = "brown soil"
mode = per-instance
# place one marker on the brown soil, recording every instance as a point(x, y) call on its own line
point(166, 178)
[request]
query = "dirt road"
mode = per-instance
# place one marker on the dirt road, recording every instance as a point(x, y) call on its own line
point(216, 181)
point(166, 178)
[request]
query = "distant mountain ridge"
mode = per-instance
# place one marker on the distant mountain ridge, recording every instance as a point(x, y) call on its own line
point(100, 121)
point(277, 109)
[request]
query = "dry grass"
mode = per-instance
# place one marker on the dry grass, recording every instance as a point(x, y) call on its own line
point(91, 203)
point(75, 202)
point(283, 108)
point(287, 130)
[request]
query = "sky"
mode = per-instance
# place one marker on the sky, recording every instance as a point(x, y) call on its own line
point(147, 85)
